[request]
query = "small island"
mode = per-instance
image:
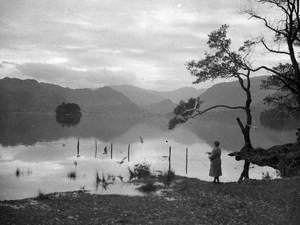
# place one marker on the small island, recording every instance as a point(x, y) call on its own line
point(68, 114)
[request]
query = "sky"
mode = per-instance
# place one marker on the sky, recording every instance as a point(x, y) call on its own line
point(93, 43)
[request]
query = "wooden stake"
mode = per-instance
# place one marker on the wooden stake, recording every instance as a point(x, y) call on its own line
point(78, 148)
point(111, 150)
point(128, 155)
point(96, 148)
point(186, 160)
point(170, 152)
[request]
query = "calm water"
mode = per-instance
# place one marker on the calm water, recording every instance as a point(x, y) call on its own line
point(37, 153)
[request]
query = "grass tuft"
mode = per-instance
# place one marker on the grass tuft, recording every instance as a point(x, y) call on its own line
point(42, 196)
point(167, 177)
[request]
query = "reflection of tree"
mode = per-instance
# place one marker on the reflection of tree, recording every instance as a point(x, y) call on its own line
point(68, 114)
point(68, 120)
point(29, 128)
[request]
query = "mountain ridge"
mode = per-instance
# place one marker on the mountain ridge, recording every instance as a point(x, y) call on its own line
point(29, 95)
point(144, 97)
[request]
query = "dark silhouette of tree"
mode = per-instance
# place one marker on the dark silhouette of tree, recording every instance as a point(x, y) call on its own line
point(285, 26)
point(221, 63)
point(68, 114)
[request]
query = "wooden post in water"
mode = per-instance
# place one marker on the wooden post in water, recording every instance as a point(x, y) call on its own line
point(170, 152)
point(96, 148)
point(186, 160)
point(78, 148)
point(128, 155)
point(111, 150)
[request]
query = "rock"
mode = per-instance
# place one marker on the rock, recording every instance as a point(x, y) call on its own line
point(285, 158)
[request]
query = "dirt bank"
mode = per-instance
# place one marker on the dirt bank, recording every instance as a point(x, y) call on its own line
point(187, 201)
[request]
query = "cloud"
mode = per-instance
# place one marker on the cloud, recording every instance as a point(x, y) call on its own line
point(149, 41)
point(75, 77)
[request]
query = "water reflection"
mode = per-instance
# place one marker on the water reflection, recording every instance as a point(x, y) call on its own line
point(36, 143)
point(68, 120)
point(28, 129)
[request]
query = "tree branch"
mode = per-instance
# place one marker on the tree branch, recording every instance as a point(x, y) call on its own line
point(266, 23)
point(272, 50)
point(240, 125)
point(211, 108)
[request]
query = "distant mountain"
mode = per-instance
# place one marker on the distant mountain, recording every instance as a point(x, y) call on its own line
point(145, 97)
point(139, 96)
point(31, 96)
point(230, 93)
point(164, 107)
point(182, 94)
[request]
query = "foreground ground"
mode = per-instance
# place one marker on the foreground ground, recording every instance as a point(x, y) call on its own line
point(187, 201)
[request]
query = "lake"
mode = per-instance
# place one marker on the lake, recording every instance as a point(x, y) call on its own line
point(39, 154)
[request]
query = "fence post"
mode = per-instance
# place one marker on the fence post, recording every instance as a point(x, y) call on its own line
point(111, 150)
point(96, 148)
point(186, 160)
point(78, 147)
point(170, 152)
point(128, 156)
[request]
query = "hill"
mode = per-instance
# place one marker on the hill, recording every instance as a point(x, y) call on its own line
point(139, 96)
point(182, 94)
point(31, 96)
point(145, 97)
point(230, 93)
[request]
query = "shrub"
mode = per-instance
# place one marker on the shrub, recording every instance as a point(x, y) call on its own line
point(72, 175)
point(266, 176)
point(42, 196)
point(140, 171)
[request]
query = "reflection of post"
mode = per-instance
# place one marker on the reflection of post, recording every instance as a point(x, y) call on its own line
point(186, 160)
point(111, 150)
point(96, 148)
point(78, 147)
point(128, 156)
point(170, 150)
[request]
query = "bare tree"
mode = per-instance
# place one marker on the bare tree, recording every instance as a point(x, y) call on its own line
point(285, 26)
point(221, 63)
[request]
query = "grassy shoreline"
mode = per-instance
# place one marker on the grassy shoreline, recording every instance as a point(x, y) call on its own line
point(186, 201)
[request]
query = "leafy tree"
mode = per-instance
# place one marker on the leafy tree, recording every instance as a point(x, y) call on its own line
point(224, 63)
point(68, 114)
point(286, 31)
point(67, 108)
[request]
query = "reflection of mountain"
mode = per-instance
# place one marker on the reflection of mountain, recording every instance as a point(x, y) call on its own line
point(230, 136)
point(31, 96)
point(164, 107)
point(27, 128)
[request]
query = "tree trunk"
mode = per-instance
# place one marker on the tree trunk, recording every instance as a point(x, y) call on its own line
point(295, 67)
point(245, 173)
point(247, 147)
point(246, 131)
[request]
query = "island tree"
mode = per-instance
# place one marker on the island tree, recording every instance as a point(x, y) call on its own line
point(285, 77)
point(68, 114)
point(221, 62)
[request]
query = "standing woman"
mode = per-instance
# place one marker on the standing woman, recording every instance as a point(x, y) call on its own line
point(215, 162)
